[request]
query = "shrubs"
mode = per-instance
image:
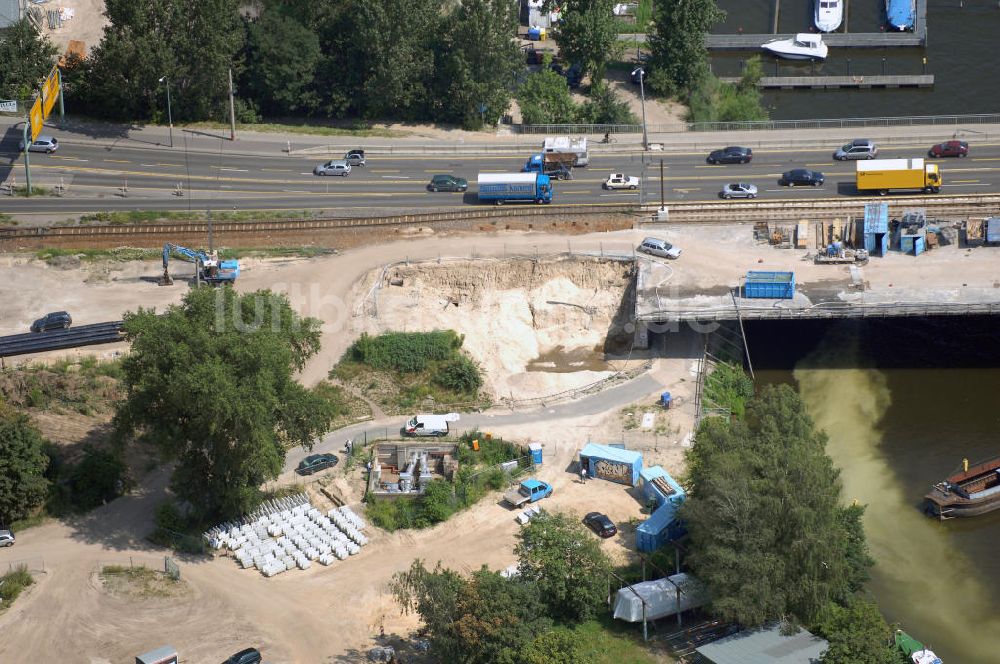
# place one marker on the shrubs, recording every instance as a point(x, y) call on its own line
point(98, 478)
point(729, 387)
point(459, 375)
point(406, 352)
point(13, 582)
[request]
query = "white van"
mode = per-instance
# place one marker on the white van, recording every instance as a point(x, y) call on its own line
point(429, 425)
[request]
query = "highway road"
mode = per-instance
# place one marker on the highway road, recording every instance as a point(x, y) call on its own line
point(161, 178)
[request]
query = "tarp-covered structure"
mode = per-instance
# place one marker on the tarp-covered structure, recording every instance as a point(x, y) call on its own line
point(765, 646)
point(663, 597)
point(611, 463)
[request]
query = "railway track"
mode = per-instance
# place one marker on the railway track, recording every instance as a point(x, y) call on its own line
point(151, 234)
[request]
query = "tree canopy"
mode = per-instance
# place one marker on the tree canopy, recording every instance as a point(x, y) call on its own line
point(283, 56)
point(545, 99)
point(768, 535)
point(23, 486)
point(27, 58)
point(679, 59)
point(588, 34)
point(210, 382)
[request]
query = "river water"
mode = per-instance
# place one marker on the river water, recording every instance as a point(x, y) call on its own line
point(902, 403)
point(960, 52)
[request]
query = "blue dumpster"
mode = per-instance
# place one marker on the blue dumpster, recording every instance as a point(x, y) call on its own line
point(769, 285)
point(666, 400)
point(536, 453)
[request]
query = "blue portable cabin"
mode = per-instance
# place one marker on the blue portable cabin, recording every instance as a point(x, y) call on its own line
point(662, 526)
point(769, 285)
point(611, 463)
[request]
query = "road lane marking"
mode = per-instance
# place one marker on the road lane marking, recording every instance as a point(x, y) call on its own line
point(118, 161)
point(237, 170)
point(385, 170)
point(55, 156)
point(969, 181)
point(277, 170)
point(396, 177)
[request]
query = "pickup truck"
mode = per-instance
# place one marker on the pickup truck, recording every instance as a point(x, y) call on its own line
point(621, 181)
point(529, 491)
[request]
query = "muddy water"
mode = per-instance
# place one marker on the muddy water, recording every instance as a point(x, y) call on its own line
point(892, 432)
point(569, 360)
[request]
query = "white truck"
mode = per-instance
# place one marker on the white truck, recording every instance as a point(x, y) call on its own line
point(568, 145)
point(429, 425)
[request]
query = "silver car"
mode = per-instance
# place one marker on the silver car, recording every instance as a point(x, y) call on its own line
point(335, 167)
point(43, 143)
point(859, 148)
point(738, 190)
point(6, 538)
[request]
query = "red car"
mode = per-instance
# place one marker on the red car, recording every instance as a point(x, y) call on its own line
point(949, 149)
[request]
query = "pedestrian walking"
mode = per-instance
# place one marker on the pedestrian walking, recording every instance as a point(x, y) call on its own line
point(583, 474)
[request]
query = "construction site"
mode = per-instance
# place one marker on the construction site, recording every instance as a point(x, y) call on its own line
point(578, 337)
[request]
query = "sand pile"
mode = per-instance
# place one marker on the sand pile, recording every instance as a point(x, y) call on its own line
point(511, 312)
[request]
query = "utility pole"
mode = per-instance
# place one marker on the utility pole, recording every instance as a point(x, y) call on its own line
point(642, 94)
point(62, 107)
point(232, 109)
point(27, 151)
point(170, 117)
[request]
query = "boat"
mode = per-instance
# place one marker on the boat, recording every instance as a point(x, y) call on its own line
point(971, 491)
point(829, 15)
point(803, 46)
point(901, 14)
point(915, 650)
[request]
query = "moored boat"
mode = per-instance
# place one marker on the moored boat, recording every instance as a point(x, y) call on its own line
point(803, 46)
point(972, 491)
point(901, 14)
point(829, 14)
point(915, 650)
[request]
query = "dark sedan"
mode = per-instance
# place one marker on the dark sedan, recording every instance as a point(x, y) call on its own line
point(447, 183)
point(58, 320)
point(730, 155)
point(316, 462)
point(600, 524)
point(801, 176)
point(949, 149)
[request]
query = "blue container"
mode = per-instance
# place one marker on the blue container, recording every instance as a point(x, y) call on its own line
point(876, 218)
point(906, 243)
point(534, 34)
point(993, 230)
point(666, 400)
point(918, 246)
point(769, 285)
point(536, 453)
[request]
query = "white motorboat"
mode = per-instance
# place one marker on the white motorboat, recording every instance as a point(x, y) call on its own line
point(803, 46)
point(829, 15)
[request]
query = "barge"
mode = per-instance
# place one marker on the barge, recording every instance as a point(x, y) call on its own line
point(972, 491)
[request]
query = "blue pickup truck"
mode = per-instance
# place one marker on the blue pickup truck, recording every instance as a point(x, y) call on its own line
point(500, 188)
point(558, 166)
point(529, 491)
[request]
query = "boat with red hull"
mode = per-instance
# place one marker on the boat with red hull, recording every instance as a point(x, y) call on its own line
point(972, 491)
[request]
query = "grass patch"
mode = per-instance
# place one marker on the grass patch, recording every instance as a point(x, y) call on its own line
point(13, 583)
point(347, 408)
point(611, 642)
point(138, 581)
point(359, 130)
point(402, 371)
point(86, 386)
point(120, 217)
point(123, 254)
point(29, 522)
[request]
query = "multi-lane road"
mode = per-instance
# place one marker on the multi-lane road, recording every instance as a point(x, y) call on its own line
point(103, 177)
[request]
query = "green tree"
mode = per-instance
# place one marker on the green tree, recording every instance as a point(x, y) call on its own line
point(210, 381)
point(556, 646)
point(545, 99)
point(461, 375)
point(555, 554)
point(192, 44)
point(97, 478)
point(679, 59)
point(857, 634)
point(282, 56)
point(482, 619)
point(604, 107)
point(768, 535)
point(588, 34)
point(23, 486)
point(478, 63)
point(27, 58)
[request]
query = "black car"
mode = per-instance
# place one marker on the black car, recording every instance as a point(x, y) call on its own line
point(57, 320)
point(316, 462)
point(731, 155)
point(247, 656)
point(600, 524)
point(801, 176)
point(447, 183)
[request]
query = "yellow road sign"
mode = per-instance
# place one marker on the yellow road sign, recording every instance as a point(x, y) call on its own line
point(37, 120)
point(50, 92)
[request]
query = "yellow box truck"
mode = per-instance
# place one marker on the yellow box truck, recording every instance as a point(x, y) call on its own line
point(885, 175)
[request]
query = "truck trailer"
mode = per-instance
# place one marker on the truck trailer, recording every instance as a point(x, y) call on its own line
point(501, 188)
point(885, 175)
point(566, 145)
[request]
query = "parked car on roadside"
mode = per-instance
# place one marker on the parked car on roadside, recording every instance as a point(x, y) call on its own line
point(355, 157)
point(657, 247)
point(447, 183)
point(335, 167)
point(316, 462)
point(600, 524)
point(949, 149)
point(801, 176)
point(57, 320)
point(738, 190)
point(246, 656)
point(6, 538)
point(730, 155)
point(44, 143)
point(859, 148)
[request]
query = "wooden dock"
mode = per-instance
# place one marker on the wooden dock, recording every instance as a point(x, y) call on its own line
point(836, 82)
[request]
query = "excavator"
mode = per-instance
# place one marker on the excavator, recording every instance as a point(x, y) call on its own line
point(208, 267)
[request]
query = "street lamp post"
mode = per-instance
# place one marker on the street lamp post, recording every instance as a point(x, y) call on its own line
point(642, 95)
point(170, 117)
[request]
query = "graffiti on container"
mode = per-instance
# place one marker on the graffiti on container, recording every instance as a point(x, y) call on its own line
point(615, 472)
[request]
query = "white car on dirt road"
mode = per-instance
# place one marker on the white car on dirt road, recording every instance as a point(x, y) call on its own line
point(621, 181)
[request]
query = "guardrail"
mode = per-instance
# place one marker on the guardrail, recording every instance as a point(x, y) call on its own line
point(824, 311)
point(84, 335)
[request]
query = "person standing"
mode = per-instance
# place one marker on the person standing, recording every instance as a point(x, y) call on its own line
point(583, 474)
